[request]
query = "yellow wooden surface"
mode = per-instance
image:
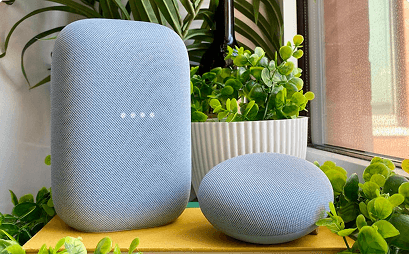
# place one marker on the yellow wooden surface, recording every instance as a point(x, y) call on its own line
point(191, 232)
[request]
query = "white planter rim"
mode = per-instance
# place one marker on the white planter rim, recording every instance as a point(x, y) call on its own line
point(261, 121)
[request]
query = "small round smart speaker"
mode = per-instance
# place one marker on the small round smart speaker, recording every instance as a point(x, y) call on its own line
point(265, 198)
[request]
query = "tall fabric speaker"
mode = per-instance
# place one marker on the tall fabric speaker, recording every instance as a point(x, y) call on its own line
point(120, 125)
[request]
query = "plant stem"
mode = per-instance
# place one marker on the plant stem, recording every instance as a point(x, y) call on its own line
point(267, 101)
point(345, 240)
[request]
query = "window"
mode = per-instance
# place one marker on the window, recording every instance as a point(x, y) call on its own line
point(359, 71)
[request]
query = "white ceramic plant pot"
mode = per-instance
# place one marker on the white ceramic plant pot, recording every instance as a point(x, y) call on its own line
point(215, 142)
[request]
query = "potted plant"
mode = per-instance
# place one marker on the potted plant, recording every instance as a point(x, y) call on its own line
point(253, 107)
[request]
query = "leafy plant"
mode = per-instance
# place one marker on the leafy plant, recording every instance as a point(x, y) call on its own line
point(167, 12)
point(28, 216)
point(266, 89)
point(375, 213)
point(72, 246)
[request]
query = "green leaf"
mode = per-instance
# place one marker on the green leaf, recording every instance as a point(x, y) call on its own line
point(404, 190)
point(378, 179)
point(15, 249)
point(42, 82)
point(145, 10)
point(49, 210)
point(104, 246)
point(214, 103)
point(233, 105)
point(228, 104)
point(286, 68)
point(32, 41)
point(24, 209)
point(401, 223)
point(74, 245)
point(298, 40)
point(53, 8)
point(198, 116)
point(369, 189)
point(236, 84)
point(43, 250)
point(249, 107)
point(10, 229)
point(26, 198)
point(364, 209)
point(125, 13)
point(285, 53)
point(117, 250)
point(198, 34)
point(227, 90)
point(346, 232)
point(297, 82)
point(332, 208)
point(396, 199)
point(376, 168)
point(50, 203)
point(337, 180)
point(133, 245)
point(13, 241)
point(14, 199)
point(351, 188)
point(171, 15)
point(324, 222)
point(361, 221)
point(59, 244)
point(47, 160)
point(298, 54)
point(256, 72)
point(222, 115)
point(380, 208)
point(370, 241)
point(386, 229)
point(88, 12)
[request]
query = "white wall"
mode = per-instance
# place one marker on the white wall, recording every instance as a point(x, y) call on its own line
point(24, 113)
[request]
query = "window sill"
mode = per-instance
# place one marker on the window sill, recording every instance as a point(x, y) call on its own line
point(350, 164)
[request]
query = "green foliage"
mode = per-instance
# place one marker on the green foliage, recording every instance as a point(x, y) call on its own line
point(72, 246)
point(168, 12)
point(255, 88)
point(28, 215)
point(376, 212)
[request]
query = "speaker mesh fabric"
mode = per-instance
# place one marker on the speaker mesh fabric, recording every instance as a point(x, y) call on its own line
point(265, 197)
point(120, 125)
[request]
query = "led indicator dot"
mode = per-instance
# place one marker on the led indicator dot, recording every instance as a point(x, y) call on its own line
point(142, 115)
point(123, 115)
point(133, 115)
point(152, 114)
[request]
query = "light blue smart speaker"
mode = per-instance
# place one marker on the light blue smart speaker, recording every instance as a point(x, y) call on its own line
point(120, 125)
point(265, 198)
